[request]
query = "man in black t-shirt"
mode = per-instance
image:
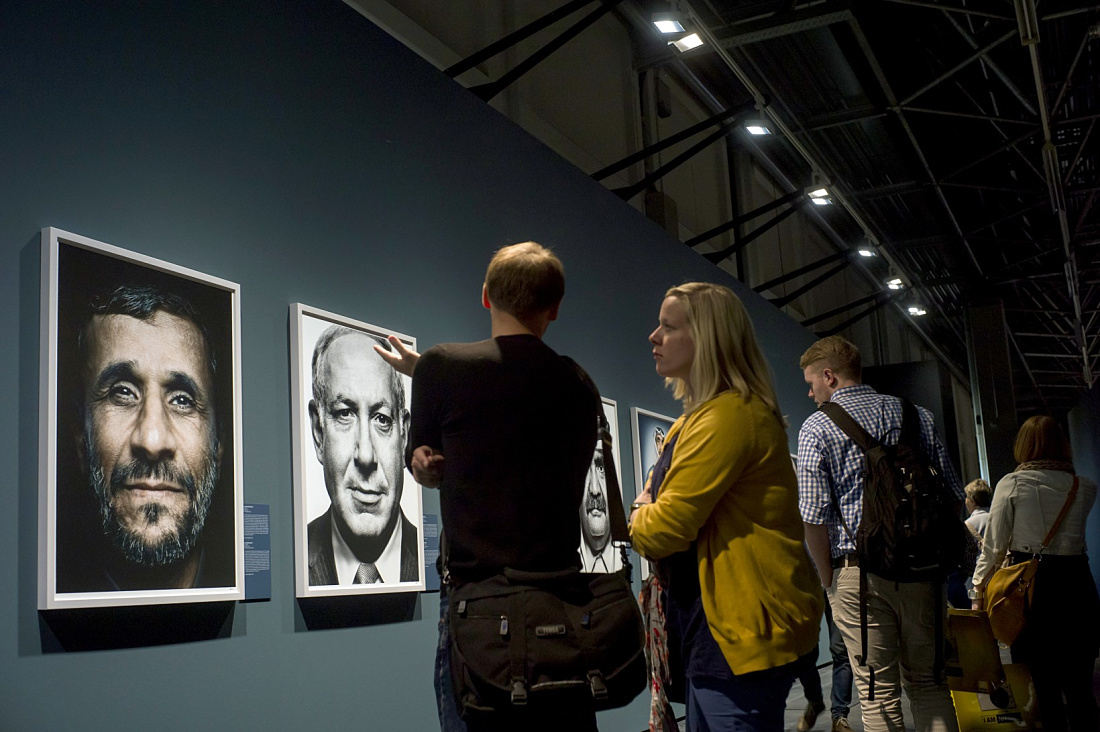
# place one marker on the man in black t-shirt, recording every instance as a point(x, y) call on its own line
point(505, 429)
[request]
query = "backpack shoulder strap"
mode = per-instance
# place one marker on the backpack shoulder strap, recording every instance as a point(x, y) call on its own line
point(910, 427)
point(849, 426)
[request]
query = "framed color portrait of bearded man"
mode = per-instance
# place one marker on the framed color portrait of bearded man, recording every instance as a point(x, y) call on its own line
point(358, 515)
point(141, 497)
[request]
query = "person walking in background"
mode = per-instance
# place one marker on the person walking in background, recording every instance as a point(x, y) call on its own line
point(901, 640)
point(841, 694)
point(978, 497)
point(1062, 638)
point(720, 516)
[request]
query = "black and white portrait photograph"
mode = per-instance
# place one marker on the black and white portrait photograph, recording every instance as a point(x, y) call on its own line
point(597, 552)
point(358, 511)
point(140, 489)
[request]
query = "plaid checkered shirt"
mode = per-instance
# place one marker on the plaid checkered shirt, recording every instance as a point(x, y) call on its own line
point(831, 464)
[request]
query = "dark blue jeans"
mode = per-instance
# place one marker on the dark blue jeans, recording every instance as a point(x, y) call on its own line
point(842, 668)
point(841, 697)
point(751, 702)
point(449, 721)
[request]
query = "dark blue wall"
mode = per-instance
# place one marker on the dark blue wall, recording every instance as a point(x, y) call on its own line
point(1084, 433)
point(296, 149)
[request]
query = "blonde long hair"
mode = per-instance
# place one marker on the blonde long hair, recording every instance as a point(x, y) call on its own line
point(727, 357)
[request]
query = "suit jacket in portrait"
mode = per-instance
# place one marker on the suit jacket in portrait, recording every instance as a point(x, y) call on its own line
point(322, 561)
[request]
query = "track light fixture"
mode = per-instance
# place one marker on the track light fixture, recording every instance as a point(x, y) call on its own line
point(669, 22)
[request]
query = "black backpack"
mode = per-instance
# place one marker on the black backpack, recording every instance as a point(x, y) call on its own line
point(911, 530)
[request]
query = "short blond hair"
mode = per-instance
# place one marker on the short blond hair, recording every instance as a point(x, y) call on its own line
point(838, 353)
point(979, 492)
point(524, 280)
point(727, 357)
point(1041, 438)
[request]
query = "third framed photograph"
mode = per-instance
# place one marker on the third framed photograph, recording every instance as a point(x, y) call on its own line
point(358, 514)
point(650, 429)
point(597, 552)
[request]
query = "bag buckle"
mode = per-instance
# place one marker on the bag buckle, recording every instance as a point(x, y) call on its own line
point(519, 692)
point(595, 682)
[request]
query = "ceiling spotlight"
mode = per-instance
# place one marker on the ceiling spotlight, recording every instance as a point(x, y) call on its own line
point(917, 310)
point(669, 22)
point(757, 126)
point(688, 42)
point(819, 195)
point(895, 283)
point(867, 252)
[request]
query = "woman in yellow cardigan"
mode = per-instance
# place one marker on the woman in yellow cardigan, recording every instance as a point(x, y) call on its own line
point(720, 517)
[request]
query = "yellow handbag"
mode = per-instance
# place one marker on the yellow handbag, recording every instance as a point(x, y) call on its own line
point(1010, 590)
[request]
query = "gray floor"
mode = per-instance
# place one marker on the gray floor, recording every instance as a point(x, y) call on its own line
point(796, 704)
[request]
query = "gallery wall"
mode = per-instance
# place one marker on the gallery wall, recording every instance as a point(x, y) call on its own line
point(1084, 434)
point(299, 151)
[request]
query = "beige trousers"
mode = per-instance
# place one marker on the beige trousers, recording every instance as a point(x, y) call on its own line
point(901, 637)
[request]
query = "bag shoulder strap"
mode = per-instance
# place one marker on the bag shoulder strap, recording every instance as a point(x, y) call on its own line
point(910, 428)
point(1062, 515)
point(839, 415)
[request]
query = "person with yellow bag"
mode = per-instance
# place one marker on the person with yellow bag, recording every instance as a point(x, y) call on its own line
point(1044, 603)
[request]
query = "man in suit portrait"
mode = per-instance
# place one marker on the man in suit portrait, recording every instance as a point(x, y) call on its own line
point(359, 424)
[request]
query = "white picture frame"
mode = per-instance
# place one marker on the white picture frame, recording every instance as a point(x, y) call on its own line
point(83, 280)
point(311, 498)
point(644, 426)
point(611, 554)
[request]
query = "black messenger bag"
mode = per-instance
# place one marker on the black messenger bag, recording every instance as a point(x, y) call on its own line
point(564, 637)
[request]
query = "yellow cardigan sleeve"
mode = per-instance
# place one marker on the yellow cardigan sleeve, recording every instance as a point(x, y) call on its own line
point(714, 446)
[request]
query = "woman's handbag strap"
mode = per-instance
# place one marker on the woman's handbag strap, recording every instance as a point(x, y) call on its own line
point(1062, 515)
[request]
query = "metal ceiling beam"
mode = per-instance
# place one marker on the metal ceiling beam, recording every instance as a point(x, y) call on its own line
point(952, 9)
point(780, 25)
point(515, 37)
point(490, 90)
point(793, 295)
point(746, 217)
point(1075, 11)
point(1009, 217)
point(1080, 149)
point(1011, 85)
point(887, 89)
point(1027, 367)
point(965, 115)
point(894, 189)
point(1069, 74)
point(858, 317)
point(981, 52)
point(787, 277)
point(1030, 36)
point(794, 142)
point(843, 308)
point(728, 115)
point(628, 192)
point(992, 153)
point(747, 239)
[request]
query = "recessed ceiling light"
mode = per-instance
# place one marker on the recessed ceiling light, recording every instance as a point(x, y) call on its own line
point(668, 22)
point(688, 42)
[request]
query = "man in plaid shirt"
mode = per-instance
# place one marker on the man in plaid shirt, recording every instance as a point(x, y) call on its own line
point(901, 633)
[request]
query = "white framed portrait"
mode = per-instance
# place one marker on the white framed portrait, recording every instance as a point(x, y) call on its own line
point(597, 551)
point(649, 431)
point(141, 494)
point(358, 512)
